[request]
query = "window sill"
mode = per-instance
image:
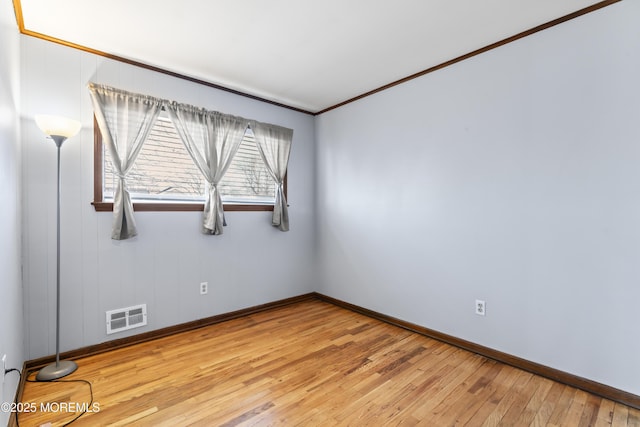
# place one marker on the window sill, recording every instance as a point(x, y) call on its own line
point(179, 207)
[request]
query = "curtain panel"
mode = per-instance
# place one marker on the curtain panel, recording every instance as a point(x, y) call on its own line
point(125, 120)
point(212, 139)
point(274, 145)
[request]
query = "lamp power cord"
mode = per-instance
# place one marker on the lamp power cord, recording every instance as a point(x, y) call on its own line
point(53, 381)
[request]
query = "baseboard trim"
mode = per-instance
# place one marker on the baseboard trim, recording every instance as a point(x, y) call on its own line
point(587, 385)
point(91, 350)
point(566, 378)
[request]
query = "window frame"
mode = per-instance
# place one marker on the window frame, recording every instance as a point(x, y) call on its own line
point(101, 206)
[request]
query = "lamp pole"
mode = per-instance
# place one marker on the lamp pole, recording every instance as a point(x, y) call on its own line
point(60, 368)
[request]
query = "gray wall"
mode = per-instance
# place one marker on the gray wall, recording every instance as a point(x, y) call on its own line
point(511, 177)
point(11, 317)
point(250, 264)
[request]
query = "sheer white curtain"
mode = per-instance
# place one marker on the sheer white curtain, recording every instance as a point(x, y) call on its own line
point(274, 144)
point(125, 120)
point(212, 139)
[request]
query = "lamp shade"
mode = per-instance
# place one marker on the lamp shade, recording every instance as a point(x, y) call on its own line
point(58, 126)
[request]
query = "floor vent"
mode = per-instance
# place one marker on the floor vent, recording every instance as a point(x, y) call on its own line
point(126, 318)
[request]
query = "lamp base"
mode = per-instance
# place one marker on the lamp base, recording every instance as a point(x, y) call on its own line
point(56, 370)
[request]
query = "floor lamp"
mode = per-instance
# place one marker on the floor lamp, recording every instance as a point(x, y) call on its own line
point(58, 129)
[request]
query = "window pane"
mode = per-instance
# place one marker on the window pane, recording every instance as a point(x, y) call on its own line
point(164, 171)
point(247, 179)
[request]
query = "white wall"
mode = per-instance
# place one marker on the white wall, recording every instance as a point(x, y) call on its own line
point(11, 313)
point(512, 177)
point(251, 263)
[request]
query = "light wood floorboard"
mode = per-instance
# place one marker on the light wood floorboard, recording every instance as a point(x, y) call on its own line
point(311, 364)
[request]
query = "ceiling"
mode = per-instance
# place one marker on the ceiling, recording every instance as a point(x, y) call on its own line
point(309, 55)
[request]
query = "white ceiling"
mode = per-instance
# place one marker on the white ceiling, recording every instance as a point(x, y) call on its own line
point(306, 54)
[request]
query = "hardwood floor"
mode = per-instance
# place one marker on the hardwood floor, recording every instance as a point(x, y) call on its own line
point(309, 364)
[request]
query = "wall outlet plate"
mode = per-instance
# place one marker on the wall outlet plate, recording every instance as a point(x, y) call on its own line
point(481, 308)
point(204, 288)
point(4, 369)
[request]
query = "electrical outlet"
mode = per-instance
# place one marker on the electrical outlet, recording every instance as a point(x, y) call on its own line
point(204, 288)
point(4, 369)
point(481, 308)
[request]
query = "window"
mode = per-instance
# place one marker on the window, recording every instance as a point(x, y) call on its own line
point(165, 178)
